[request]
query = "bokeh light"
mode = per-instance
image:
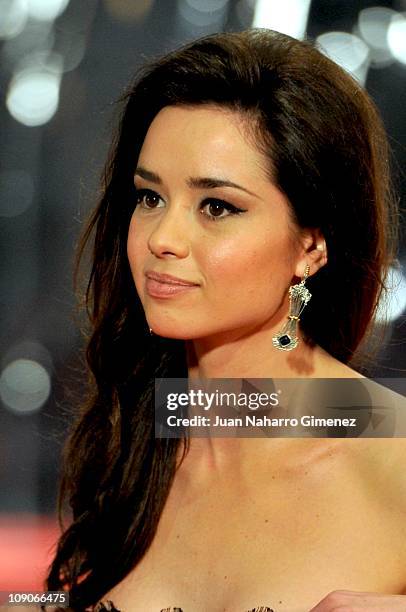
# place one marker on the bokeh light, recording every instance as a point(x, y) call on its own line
point(207, 6)
point(348, 51)
point(28, 349)
point(289, 17)
point(202, 13)
point(72, 47)
point(46, 10)
point(13, 17)
point(373, 24)
point(37, 37)
point(25, 386)
point(33, 93)
point(397, 37)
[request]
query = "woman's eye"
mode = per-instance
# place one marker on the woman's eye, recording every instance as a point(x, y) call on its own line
point(147, 198)
point(213, 209)
point(216, 208)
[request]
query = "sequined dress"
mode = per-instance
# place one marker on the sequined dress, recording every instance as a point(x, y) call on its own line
point(108, 606)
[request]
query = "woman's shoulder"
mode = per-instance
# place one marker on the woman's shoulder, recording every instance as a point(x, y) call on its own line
point(382, 465)
point(388, 455)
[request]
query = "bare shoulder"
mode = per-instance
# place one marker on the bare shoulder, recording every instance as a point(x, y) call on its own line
point(380, 464)
point(382, 460)
point(393, 453)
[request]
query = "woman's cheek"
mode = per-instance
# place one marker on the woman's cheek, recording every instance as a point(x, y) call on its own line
point(136, 262)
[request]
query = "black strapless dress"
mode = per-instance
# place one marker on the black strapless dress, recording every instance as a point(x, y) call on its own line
point(108, 606)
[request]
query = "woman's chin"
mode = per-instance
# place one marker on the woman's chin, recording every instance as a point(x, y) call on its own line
point(173, 332)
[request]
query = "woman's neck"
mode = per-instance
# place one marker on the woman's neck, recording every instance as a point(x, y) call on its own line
point(249, 356)
point(254, 356)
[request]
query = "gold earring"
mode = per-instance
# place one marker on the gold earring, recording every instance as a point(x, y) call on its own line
point(299, 296)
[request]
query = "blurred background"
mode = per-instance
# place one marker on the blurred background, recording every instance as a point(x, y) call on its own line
point(63, 64)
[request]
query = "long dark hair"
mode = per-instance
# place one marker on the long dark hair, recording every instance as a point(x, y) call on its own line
point(327, 152)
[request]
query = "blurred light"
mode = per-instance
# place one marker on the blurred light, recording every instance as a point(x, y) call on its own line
point(33, 93)
point(289, 17)
point(28, 349)
point(25, 386)
point(72, 47)
point(373, 24)
point(202, 13)
point(393, 302)
point(348, 51)
point(13, 17)
point(397, 37)
point(207, 6)
point(46, 10)
point(16, 192)
point(128, 10)
point(38, 36)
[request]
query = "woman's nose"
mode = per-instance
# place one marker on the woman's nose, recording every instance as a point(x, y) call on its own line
point(171, 234)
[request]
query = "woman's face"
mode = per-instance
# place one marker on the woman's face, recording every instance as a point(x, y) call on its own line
point(207, 213)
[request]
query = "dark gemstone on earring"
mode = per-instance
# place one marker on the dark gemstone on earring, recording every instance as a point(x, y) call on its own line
point(284, 340)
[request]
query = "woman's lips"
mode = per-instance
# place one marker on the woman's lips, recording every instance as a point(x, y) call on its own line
point(157, 289)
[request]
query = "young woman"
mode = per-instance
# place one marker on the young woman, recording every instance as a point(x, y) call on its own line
point(245, 164)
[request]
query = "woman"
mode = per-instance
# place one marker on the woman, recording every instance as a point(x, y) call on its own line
point(245, 164)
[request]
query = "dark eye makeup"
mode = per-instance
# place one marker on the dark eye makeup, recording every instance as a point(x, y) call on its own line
point(149, 200)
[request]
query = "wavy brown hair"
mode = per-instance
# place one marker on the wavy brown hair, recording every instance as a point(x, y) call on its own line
point(327, 151)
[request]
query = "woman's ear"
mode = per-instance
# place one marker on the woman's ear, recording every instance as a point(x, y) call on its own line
point(313, 252)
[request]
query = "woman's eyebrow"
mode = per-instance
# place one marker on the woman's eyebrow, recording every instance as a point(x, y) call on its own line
point(196, 182)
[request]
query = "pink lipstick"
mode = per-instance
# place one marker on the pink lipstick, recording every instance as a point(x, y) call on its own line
point(166, 285)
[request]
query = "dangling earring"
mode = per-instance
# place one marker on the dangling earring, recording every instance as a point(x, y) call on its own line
point(151, 333)
point(299, 295)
